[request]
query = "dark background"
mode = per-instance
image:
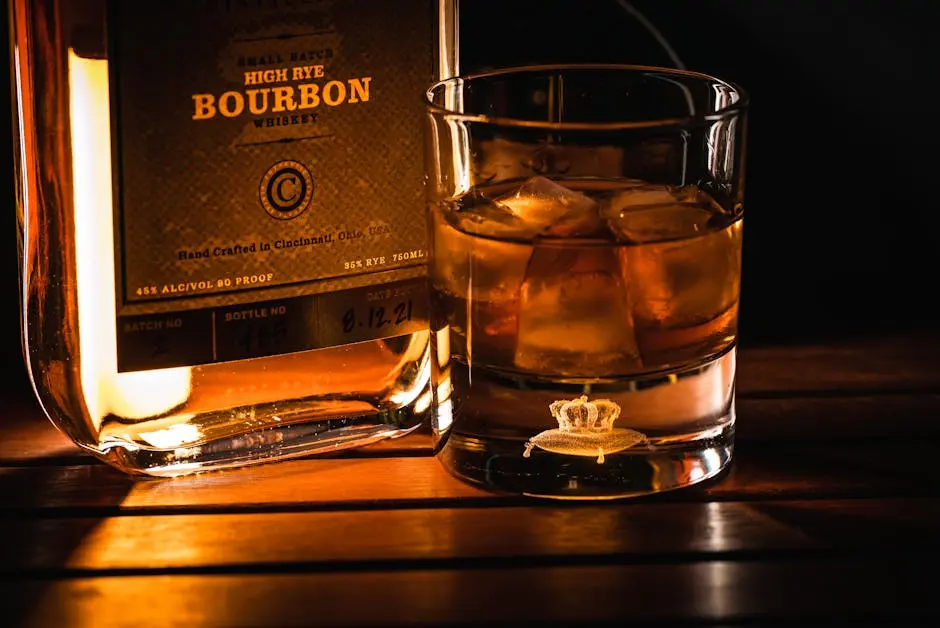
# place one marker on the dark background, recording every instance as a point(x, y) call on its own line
point(842, 191)
point(842, 201)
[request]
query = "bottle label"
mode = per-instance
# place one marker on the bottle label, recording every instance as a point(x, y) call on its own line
point(269, 182)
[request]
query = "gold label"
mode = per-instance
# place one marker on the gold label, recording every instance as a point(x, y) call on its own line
point(269, 155)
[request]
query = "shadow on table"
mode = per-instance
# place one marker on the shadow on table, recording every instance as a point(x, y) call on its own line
point(41, 534)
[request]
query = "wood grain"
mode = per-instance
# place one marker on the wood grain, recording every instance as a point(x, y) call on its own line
point(838, 420)
point(662, 532)
point(897, 362)
point(368, 483)
point(27, 436)
point(870, 590)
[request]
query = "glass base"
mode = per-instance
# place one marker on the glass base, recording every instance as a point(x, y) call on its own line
point(500, 466)
point(563, 440)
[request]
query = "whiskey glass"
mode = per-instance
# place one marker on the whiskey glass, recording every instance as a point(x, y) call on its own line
point(585, 268)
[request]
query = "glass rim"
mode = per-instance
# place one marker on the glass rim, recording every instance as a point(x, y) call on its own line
point(735, 108)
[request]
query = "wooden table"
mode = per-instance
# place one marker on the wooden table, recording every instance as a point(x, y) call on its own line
point(831, 510)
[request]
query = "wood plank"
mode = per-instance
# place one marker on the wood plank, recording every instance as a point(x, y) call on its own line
point(838, 420)
point(26, 435)
point(632, 532)
point(878, 363)
point(859, 590)
point(366, 483)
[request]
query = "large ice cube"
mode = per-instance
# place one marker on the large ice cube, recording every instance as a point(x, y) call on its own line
point(683, 282)
point(483, 217)
point(550, 209)
point(574, 314)
point(484, 268)
point(477, 280)
point(683, 268)
point(656, 224)
point(652, 213)
point(635, 196)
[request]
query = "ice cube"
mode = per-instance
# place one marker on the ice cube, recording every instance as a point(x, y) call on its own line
point(550, 209)
point(483, 217)
point(653, 213)
point(574, 314)
point(684, 291)
point(654, 224)
point(636, 196)
point(488, 267)
point(477, 280)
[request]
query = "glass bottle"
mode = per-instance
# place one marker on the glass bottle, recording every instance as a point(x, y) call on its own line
point(222, 246)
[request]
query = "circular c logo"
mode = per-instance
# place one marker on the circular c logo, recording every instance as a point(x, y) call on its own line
point(286, 190)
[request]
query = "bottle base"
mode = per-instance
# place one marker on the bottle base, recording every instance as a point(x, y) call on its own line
point(271, 444)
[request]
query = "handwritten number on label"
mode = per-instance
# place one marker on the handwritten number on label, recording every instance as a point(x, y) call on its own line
point(349, 320)
point(376, 317)
point(160, 347)
point(262, 338)
point(402, 312)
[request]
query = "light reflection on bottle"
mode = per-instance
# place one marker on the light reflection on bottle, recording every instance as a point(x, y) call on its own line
point(444, 413)
point(128, 395)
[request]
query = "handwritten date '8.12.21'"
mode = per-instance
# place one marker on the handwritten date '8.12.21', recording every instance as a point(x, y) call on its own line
point(378, 317)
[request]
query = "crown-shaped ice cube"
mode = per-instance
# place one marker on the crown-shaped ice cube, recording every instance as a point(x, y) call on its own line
point(583, 416)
